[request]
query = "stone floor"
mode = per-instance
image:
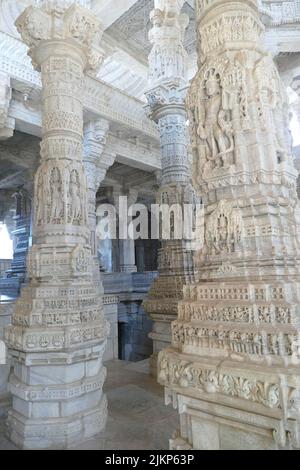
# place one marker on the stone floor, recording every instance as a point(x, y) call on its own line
point(138, 418)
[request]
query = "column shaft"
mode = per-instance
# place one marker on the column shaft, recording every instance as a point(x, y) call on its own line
point(233, 368)
point(166, 98)
point(58, 331)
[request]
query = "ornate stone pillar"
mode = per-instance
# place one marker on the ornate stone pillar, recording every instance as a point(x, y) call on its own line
point(126, 246)
point(21, 236)
point(96, 161)
point(58, 332)
point(140, 256)
point(295, 108)
point(166, 97)
point(234, 366)
point(7, 124)
point(127, 256)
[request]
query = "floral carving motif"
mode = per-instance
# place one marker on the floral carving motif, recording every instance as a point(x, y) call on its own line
point(188, 375)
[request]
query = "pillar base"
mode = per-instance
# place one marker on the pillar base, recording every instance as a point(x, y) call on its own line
point(60, 404)
point(161, 334)
point(56, 433)
point(211, 426)
point(128, 268)
point(231, 405)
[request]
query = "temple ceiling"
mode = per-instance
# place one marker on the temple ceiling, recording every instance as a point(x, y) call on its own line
point(19, 158)
point(127, 25)
point(132, 29)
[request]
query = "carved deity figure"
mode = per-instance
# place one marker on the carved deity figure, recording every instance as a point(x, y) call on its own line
point(39, 201)
point(168, 57)
point(169, 10)
point(74, 194)
point(222, 236)
point(223, 229)
point(56, 196)
point(214, 127)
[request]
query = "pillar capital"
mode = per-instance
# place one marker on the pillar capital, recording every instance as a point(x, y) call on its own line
point(227, 23)
point(168, 58)
point(65, 29)
point(204, 7)
point(167, 98)
point(95, 136)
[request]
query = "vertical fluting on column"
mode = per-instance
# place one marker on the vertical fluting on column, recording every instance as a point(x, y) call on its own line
point(233, 368)
point(58, 332)
point(166, 97)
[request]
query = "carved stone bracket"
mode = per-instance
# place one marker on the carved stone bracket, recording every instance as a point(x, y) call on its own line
point(65, 23)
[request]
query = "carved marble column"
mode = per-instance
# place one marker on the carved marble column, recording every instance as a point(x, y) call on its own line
point(127, 262)
point(166, 97)
point(58, 331)
point(21, 236)
point(234, 366)
point(7, 124)
point(295, 108)
point(127, 256)
point(96, 161)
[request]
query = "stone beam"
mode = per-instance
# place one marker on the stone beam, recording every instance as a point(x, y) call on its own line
point(8, 181)
point(27, 120)
point(139, 156)
point(17, 159)
point(100, 100)
point(144, 158)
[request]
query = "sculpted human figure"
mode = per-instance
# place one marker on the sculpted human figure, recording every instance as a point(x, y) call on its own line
point(75, 203)
point(222, 233)
point(56, 195)
point(167, 20)
point(213, 127)
point(170, 8)
point(40, 200)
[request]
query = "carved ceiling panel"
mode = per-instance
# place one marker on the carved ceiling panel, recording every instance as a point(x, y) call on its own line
point(132, 28)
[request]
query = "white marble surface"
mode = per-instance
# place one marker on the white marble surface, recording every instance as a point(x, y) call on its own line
point(138, 418)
